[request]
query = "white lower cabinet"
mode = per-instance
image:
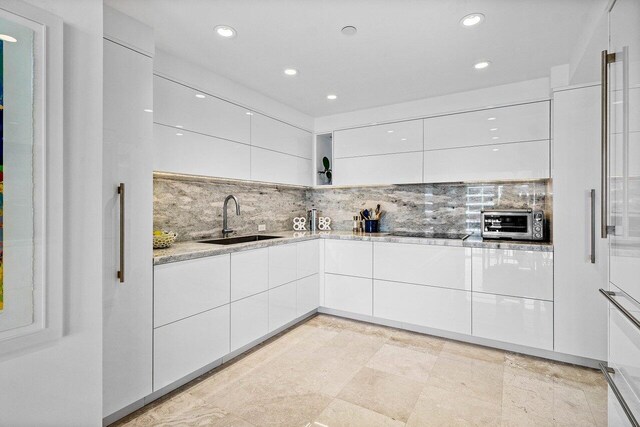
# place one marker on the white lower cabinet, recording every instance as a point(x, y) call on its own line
point(523, 321)
point(282, 305)
point(308, 294)
point(349, 257)
point(438, 308)
point(308, 255)
point(282, 264)
point(442, 266)
point(348, 293)
point(249, 319)
point(185, 346)
point(249, 273)
point(527, 274)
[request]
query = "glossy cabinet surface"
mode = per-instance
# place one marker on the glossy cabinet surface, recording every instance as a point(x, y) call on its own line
point(183, 151)
point(189, 344)
point(514, 320)
point(186, 288)
point(441, 266)
point(401, 168)
point(580, 311)
point(348, 293)
point(307, 294)
point(282, 305)
point(513, 272)
point(308, 261)
point(349, 257)
point(438, 308)
point(521, 160)
point(271, 166)
point(249, 273)
point(249, 319)
point(390, 138)
point(177, 105)
point(526, 122)
point(278, 136)
point(127, 312)
point(282, 264)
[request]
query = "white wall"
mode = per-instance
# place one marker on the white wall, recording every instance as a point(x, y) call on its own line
point(197, 77)
point(530, 90)
point(61, 384)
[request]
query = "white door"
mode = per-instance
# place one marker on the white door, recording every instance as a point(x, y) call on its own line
point(127, 315)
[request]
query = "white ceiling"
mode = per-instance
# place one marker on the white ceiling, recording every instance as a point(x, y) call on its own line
point(404, 49)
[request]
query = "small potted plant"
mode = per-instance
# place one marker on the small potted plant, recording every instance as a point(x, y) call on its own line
point(327, 169)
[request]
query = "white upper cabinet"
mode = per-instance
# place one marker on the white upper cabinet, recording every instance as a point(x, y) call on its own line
point(521, 160)
point(271, 166)
point(181, 151)
point(278, 136)
point(391, 138)
point(526, 122)
point(402, 168)
point(177, 105)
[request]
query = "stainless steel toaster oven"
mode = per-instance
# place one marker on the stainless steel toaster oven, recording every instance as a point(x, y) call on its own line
point(516, 224)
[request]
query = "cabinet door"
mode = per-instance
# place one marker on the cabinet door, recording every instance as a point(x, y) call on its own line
point(186, 288)
point(249, 319)
point(183, 151)
point(513, 320)
point(308, 258)
point(175, 104)
point(185, 346)
point(389, 138)
point(521, 160)
point(526, 122)
point(516, 273)
point(403, 168)
point(308, 294)
point(442, 266)
point(282, 305)
point(282, 264)
point(127, 308)
point(249, 273)
point(350, 258)
point(271, 166)
point(438, 308)
point(580, 322)
point(278, 136)
point(347, 293)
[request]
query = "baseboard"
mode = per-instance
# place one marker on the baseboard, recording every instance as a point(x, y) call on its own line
point(515, 348)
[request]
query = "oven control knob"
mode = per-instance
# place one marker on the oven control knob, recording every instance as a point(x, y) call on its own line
point(537, 228)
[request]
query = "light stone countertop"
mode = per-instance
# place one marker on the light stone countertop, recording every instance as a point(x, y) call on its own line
point(183, 251)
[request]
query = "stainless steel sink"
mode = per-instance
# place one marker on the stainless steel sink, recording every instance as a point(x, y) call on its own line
point(239, 239)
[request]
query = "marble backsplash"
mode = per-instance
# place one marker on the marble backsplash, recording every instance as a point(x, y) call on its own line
point(192, 205)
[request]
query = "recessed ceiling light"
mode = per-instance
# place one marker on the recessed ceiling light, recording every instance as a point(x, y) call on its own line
point(148, 110)
point(199, 95)
point(179, 134)
point(493, 129)
point(349, 30)
point(179, 126)
point(491, 118)
point(332, 97)
point(249, 113)
point(472, 20)
point(480, 65)
point(495, 149)
point(225, 31)
point(403, 139)
point(390, 131)
point(290, 71)
point(495, 137)
point(7, 38)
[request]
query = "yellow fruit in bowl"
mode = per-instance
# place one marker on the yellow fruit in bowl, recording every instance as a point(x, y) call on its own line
point(158, 232)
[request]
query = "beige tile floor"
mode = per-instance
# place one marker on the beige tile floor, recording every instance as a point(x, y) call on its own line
point(336, 372)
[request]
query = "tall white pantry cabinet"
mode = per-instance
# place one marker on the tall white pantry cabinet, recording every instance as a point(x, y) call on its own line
point(128, 215)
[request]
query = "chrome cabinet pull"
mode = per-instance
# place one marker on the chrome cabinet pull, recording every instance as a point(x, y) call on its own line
point(607, 371)
point(605, 59)
point(609, 295)
point(122, 236)
point(593, 226)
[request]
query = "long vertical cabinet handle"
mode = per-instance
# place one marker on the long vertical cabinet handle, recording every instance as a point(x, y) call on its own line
point(122, 236)
point(605, 59)
point(593, 226)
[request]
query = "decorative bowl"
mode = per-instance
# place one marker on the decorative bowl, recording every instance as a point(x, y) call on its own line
point(163, 239)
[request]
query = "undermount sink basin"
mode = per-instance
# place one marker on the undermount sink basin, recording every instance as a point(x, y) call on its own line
point(239, 239)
